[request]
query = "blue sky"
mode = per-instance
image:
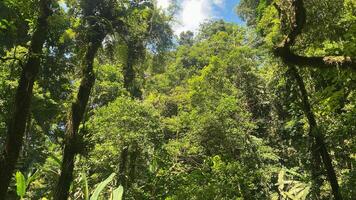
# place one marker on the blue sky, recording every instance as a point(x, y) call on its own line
point(194, 12)
point(227, 12)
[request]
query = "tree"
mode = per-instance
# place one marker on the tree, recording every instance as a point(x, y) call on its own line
point(23, 97)
point(314, 132)
point(96, 32)
point(283, 51)
point(147, 29)
point(292, 18)
point(186, 38)
point(125, 142)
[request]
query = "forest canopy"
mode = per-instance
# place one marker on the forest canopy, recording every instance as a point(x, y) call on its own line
point(103, 99)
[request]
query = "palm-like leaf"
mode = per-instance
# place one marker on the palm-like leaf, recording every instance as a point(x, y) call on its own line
point(101, 186)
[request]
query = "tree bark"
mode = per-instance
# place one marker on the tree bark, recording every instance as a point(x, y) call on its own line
point(76, 116)
point(17, 125)
point(122, 177)
point(134, 153)
point(129, 74)
point(315, 167)
point(318, 137)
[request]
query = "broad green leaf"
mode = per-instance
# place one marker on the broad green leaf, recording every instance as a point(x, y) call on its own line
point(101, 186)
point(117, 193)
point(20, 184)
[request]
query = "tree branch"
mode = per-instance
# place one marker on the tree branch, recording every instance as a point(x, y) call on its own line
point(283, 50)
point(4, 59)
point(326, 62)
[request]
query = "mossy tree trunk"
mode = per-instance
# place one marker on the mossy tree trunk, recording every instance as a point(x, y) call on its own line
point(17, 124)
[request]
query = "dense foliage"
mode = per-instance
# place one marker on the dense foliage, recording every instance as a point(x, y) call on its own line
point(100, 100)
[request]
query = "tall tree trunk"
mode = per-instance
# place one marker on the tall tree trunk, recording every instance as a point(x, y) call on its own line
point(316, 169)
point(129, 74)
point(76, 116)
point(315, 132)
point(134, 153)
point(128, 157)
point(122, 177)
point(16, 128)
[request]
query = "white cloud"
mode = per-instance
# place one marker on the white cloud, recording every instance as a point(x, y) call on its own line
point(192, 13)
point(164, 4)
point(219, 3)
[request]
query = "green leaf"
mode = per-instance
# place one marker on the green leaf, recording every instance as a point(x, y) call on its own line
point(297, 188)
point(101, 186)
point(86, 188)
point(56, 159)
point(32, 177)
point(281, 179)
point(303, 194)
point(117, 193)
point(20, 184)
